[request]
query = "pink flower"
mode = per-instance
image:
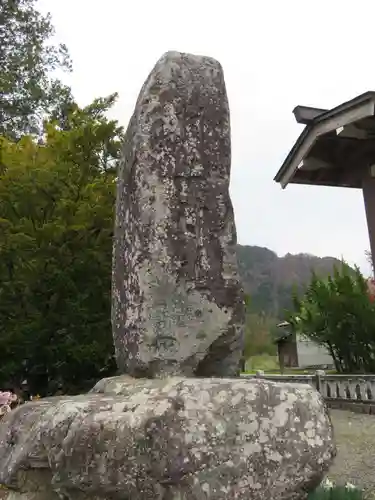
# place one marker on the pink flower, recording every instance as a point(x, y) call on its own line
point(6, 398)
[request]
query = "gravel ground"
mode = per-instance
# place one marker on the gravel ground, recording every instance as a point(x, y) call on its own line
point(355, 439)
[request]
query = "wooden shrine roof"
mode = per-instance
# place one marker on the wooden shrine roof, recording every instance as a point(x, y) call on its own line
point(335, 147)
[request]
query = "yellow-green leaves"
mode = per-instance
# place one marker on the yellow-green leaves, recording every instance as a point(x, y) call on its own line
point(56, 217)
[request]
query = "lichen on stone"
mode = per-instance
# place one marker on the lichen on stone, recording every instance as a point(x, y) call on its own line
point(170, 438)
point(178, 304)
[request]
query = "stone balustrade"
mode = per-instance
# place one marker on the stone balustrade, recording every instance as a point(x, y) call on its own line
point(350, 388)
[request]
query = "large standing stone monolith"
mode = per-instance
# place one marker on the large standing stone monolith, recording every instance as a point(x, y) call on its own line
point(177, 300)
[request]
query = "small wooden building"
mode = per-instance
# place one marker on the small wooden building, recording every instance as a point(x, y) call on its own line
point(336, 148)
point(297, 351)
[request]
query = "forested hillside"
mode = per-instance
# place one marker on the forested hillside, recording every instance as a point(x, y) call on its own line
point(270, 280)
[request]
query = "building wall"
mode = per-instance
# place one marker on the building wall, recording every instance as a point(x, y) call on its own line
point(287, 351)
point(311, 354)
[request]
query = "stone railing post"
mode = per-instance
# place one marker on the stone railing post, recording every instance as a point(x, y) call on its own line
point(318, 379)
point(259, 374)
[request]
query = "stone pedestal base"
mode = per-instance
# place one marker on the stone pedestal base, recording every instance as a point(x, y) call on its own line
point(169, 439)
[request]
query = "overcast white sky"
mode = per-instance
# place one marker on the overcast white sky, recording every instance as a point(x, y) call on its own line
point(276, 55)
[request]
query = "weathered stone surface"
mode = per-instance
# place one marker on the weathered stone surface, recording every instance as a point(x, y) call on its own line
point(169, 439)
point(177, 302)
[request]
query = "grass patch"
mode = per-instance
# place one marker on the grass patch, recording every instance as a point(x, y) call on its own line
point(270, 365)
point(263, 362)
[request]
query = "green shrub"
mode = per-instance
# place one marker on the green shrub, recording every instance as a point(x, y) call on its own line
point(338, 313)
point(329, 491)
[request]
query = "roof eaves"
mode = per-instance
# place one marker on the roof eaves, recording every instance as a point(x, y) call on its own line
point(301, 139)
point(309, 130)
point(361, 99)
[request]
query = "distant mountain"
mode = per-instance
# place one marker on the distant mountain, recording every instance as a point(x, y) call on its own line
point(270, 280)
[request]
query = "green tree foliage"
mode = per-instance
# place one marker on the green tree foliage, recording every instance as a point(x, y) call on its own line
point(258, 332)
point(339, 314)
point(56, 217)
point(258, 335)
point(29, 92)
